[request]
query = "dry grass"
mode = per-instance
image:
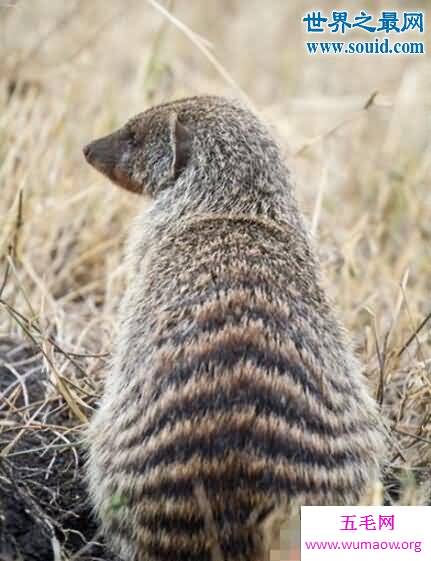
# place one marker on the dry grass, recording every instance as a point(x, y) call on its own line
point(356, 132)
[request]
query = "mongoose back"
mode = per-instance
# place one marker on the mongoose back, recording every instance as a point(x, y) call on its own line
point(233, 390)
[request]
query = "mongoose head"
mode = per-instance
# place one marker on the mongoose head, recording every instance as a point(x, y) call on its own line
point(209, 140)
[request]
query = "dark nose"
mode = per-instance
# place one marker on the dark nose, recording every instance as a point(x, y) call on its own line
point(87, 152)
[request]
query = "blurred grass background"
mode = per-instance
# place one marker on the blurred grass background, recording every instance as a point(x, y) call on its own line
point(356, 132)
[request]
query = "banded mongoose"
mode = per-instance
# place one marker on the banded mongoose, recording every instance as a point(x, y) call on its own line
point(233, 389)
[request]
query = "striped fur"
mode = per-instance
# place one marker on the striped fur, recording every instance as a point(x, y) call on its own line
point(230, 373)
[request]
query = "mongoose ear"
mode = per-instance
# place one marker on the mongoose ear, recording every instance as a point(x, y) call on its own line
point(181, 144)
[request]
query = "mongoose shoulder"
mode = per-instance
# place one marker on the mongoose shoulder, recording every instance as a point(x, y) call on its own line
point(231, 379)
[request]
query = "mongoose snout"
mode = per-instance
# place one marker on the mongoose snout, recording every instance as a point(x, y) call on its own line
point(233, 389)
point(111, 156)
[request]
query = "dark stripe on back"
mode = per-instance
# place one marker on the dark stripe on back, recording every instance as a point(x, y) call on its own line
point(281, 323)
point(274, 447)
point(172, 521)
point(169, 553)
point(223, 319)
point(265, 400)
point(230, 356)
point(268, 482)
